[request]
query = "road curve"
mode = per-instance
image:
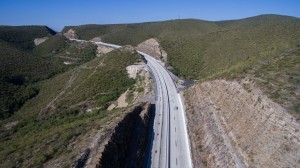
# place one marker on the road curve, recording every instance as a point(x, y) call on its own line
point(170, 146)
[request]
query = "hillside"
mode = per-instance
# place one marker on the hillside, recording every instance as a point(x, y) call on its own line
point(17, 62)
point(194, 45)
point(23, 36)
point(67, 106)
point(22, 64)
point(16, 45)
point(133, 34)
point(233, 123)
point(231, 51)
point(258, 20)
point(18, 68)
point(60, 51)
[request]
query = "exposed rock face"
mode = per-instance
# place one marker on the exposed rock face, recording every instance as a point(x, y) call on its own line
point(70, 34)
point(141, 73)
point(230, 126)
point(128, 48)
point(134, 70)
point(10, 124)
point(101, 50)
point(96, 39)
point(120, 103)
point(122, 100)
point(153, 48)
point(128, 146)
point(39, 41)
point(122, 141)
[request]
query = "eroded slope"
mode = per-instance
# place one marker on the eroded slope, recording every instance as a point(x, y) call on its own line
point(230, 126)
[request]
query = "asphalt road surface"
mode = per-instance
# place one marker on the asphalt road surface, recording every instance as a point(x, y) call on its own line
point(171, 145)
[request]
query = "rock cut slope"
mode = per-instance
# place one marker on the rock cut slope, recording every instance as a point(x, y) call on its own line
point(231, 126)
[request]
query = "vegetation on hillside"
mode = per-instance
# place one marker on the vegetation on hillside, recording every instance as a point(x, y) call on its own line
point(200, 49)
point(66, 107)
point(227, 53)
point(23, 36)
point(257, 21)
point(52, 45)
point(18, 68)
point(59, 50)
point(21, 67)
point(279, 77)
point(133, 34)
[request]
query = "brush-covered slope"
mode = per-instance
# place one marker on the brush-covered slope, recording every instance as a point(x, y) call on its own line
point(67, 107)
point(16, 44)
point(23, 36)
point(201, 49)
point(17, 62)
point(230, 51)
point(133, 34)
point(21, 65)
point(258, 20)
point(18, 68)
point(279, 78)
point(61, 51)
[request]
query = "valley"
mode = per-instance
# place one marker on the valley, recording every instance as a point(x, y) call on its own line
point(113, 95)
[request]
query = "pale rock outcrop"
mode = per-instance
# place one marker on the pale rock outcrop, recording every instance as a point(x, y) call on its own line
point(128, 48)
point(101, 49)
point(120, 103)
point(153, 48)
point(10, 125)
point(96, 39)
point(134, 70)
point(39, 41)
point(233, 124)
point(111, 107)
point(70, 34)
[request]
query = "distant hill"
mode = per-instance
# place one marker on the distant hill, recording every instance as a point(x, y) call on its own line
point(15, 61)
point(134, 34)
point(232, 49)
point(23, 36)
point(204, 50)
point(258, 20)
point(200, 49)
point(53, 44)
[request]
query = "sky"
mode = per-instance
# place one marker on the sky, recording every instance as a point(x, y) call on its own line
point(59, 13)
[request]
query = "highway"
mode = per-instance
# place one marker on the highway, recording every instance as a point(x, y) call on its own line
point(170, 146)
